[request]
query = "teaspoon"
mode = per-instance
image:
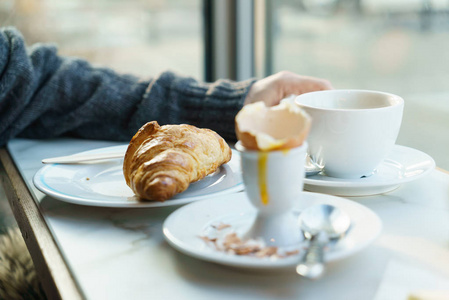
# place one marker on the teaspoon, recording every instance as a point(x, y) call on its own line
point(311, 167)
point(320, 224)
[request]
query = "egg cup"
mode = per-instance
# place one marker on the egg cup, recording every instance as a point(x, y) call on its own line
point(274, 182)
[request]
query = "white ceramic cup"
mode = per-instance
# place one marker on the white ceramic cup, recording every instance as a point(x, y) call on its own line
point(274, 182)
point(352, 130)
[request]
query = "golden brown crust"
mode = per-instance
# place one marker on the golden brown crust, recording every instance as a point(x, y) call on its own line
point(161, 161)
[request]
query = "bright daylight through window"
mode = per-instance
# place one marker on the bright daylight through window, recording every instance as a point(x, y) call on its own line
point(142, 37)
point(394, 46)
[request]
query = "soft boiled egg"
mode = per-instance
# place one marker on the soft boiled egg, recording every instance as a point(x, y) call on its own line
point(263, 128)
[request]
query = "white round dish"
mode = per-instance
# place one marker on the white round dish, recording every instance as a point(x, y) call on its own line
point(402, 165)
point(103, 183)
point(184, 227)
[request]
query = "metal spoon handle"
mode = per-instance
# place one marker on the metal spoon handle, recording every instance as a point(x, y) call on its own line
point(312, 263)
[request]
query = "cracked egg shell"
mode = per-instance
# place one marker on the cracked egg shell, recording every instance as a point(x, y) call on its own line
point(263, 128)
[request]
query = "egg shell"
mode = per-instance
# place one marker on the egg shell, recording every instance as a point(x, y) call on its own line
point(283, 126)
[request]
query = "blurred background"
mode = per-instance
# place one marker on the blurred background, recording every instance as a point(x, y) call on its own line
point(142, 37)
point(396, 46)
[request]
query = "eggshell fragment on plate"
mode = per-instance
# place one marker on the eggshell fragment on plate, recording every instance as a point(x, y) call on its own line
point(263, 128)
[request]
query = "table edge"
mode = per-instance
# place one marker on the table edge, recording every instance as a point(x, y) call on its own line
point(57, 280)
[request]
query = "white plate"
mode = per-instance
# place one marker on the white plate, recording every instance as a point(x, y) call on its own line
point(103, 184)
point(402, 165)
point(183, 228)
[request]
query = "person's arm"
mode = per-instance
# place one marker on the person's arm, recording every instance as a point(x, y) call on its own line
point(44, 95)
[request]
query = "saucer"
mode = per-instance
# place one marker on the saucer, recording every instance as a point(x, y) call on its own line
point(402, 165)
point(184, 228)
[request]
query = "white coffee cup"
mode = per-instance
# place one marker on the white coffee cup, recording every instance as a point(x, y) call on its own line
point(352, 130)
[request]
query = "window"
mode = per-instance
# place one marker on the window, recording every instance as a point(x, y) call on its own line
point(142, 37)
point(397, 46)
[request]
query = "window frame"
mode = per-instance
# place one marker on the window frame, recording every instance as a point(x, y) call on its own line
point(229, 39)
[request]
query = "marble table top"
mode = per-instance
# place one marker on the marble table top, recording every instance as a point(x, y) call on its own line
point(120, 253)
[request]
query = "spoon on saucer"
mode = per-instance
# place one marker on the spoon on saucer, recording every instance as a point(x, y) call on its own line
point(311, 167)
point(320, 224)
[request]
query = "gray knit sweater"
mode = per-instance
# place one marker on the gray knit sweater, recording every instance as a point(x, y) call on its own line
point(43, 95)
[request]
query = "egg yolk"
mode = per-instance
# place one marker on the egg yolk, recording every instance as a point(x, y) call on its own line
point(262, 164)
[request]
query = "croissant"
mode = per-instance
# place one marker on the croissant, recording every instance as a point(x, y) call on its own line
point(161, 161)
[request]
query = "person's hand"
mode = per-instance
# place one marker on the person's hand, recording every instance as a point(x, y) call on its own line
point(274, 88)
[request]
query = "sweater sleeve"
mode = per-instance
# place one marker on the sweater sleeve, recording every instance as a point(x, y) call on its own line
point(44, 95)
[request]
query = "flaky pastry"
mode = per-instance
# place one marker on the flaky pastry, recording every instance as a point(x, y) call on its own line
point(162, 161)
